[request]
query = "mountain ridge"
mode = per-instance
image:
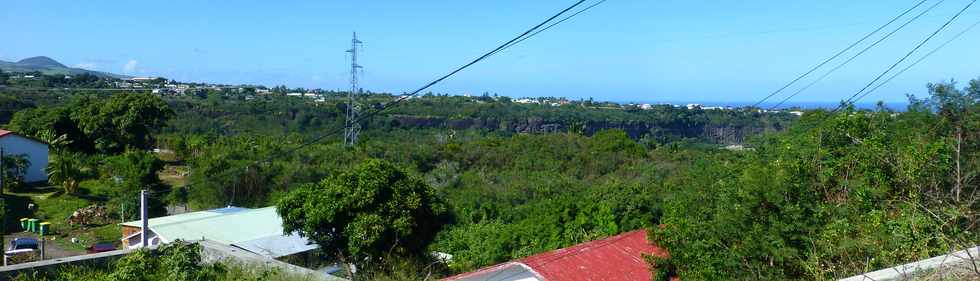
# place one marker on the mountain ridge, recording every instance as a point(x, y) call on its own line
point(49, 66)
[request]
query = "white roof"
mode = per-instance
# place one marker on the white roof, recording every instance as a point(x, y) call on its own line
point(277, 246)
point(255, 230)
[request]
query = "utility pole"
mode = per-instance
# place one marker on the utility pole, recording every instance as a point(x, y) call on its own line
point(352, 127)
point(3, 171)
point(3, 204)
point(144, 220)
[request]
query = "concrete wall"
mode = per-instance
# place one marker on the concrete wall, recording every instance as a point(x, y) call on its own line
point(965, 260)
point(210, 252)
point(100, 259)
point(36, 152)
point(216, 252)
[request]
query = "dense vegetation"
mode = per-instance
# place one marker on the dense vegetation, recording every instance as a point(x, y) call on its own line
point(488, 180)
point(837, 195)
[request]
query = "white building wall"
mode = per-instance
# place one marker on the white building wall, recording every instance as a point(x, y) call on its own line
point(36, 152)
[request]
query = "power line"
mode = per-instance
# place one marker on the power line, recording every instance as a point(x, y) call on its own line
point(841, 52)
point(866, 49)
point(553, 24)
point(957, 36)
point(910, 53)
point(401, 99)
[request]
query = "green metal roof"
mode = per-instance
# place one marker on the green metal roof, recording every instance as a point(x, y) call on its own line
point(228, 229)
point(185, 217)
point(255, 230)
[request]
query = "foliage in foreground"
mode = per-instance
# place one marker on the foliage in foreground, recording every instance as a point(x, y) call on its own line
point(838, 195)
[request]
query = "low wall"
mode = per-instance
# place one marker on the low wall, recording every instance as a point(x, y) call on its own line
point(51, 265)
point(211, 252)
point(964, 260)
point(215, 252)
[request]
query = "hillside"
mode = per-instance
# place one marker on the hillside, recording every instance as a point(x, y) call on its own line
point(49, 66)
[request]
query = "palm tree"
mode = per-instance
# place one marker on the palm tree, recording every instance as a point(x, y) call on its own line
point(65, 168)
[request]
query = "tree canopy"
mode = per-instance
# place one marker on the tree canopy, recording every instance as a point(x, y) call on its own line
point(374, 209)
point(109, 125)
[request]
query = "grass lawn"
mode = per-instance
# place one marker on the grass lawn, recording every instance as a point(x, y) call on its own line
point(53, 206)
point(174, 175)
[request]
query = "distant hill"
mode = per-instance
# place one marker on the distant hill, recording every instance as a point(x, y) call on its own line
point(49, 66)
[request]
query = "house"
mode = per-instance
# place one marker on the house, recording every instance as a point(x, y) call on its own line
point(254, 230)
point(615, 258)
point(142, 79)
point(34, 150)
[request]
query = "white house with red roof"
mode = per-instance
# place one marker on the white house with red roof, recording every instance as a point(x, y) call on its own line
point(34, 150)
point(612, 259)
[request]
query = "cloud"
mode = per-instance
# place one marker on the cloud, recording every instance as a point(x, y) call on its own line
point(130, 66)
point(88, 65)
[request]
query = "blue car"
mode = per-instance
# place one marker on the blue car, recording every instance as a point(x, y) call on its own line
point(22, 244)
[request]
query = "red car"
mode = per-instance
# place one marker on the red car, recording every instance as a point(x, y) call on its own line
point(101, 247)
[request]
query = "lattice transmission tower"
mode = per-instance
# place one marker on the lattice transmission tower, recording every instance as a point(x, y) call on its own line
point(352, 127)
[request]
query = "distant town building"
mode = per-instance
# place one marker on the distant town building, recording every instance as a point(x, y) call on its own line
point(141, 79)
point(34, 150)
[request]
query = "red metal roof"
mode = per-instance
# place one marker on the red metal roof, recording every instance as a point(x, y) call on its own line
point(615, 258)
point(4, 133)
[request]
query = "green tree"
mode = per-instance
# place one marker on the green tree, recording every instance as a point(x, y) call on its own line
point(130, 172)
point(13, 171)
point(367, 212)
point(123, 121)
point(55, 121)
point(65, 169)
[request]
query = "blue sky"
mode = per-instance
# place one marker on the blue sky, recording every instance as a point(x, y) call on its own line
point(623, 50)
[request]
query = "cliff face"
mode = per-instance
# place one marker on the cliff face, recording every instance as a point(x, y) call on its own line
point(636, 130)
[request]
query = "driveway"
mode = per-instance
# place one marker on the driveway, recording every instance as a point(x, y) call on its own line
point(51, 250)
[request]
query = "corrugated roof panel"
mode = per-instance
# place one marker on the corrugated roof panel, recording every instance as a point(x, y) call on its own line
point(226, 229)
point(612, 259)
point(615, 258)
point(277, 246)
point(506, 271)
point(185, 217)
